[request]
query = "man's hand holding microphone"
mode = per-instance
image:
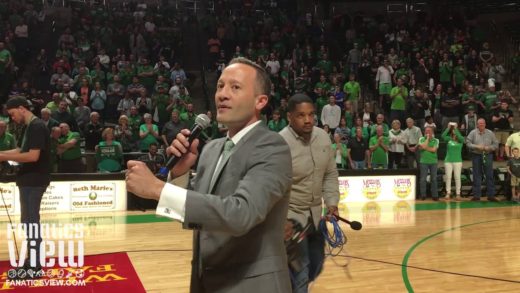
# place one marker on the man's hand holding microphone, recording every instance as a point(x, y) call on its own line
point(182, 152)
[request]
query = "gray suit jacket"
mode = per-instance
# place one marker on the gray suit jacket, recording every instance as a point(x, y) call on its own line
point(239, 222)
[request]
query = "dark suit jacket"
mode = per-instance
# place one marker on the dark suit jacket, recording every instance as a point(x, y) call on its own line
point(239, 245)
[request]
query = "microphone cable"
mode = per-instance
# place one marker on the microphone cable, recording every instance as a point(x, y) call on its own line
point(335, 239)
point(10, 222)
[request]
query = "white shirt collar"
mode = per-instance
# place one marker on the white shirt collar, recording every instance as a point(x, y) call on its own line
point(238, 136)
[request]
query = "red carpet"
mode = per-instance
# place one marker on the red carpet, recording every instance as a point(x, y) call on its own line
point(106, 273)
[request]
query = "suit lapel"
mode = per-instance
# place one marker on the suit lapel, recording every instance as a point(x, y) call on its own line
point(213, 155)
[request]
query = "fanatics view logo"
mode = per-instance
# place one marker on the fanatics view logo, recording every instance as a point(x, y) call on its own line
point(61, 242)
point(371, 188)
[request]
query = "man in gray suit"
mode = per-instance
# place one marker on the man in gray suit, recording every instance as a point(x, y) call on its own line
point(239, 198)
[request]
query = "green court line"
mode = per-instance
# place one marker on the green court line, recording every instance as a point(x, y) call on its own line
point(404, 263)
point(461, 205)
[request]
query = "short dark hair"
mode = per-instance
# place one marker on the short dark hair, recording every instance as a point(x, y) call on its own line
point(297, 99)
point(263, 82)
point(16, 102)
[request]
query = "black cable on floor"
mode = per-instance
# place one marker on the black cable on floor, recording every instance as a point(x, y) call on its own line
point(430, 270)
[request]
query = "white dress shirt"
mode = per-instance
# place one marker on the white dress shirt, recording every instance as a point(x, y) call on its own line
point(172, 202)
point(331, 115)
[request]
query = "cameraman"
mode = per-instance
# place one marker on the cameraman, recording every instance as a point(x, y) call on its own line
point(33, 177)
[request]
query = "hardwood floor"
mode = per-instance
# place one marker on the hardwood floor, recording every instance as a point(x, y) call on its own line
point(403, 247)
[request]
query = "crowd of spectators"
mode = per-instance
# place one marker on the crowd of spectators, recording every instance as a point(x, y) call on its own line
point(116, 83)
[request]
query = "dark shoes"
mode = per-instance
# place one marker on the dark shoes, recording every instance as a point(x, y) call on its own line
point(475, 199)
point(493, 199)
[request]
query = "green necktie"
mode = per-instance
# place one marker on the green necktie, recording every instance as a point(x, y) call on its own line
point(228, 146)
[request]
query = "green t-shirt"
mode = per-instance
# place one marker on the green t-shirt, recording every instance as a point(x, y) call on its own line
point(325, 65)
point(379, 155)
point(373, 131)
point(364, 132)
point(162, 102)
point(277, 125)
point(454, 148)
point(148, 139)
point(349, 118)
point(459, 74)
point(445, 71)
point(403, 72)
point(109, 156)
point(489, 99)
point(352, 90)
point(320, 103)
point(466, 97)
point(7, 142)
point(323, 85)
point(134, 122)
point(427, 157)
point(5, 55)
point(147, 81)
point(398, 101)
point(73, 152)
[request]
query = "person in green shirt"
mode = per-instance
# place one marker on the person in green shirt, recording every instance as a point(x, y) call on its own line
point(490, 100)
point(7, 141)
point(470, 99)
point(148, 132)
point(146, 74)
point(428, 146)
point(276, 124)
point(55, 137)
point(379, 145)
point(453, 159)
point(459, 75)
point(109, 153)
point(380, 121)
point(353, 91)
point(398, 95)
point(160, 101)
point(69, 151)
point(323, 84)
point(364, 130)
point(5, 58)
point(325, 64)
point(321, 101)
point(445, 71)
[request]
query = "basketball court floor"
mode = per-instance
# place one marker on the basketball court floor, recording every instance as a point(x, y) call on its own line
point(403, 247)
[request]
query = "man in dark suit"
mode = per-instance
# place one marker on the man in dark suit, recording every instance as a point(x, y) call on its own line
point(239, 198)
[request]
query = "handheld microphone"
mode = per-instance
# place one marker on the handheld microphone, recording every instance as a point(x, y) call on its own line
point(201, 122)
point(355, 225)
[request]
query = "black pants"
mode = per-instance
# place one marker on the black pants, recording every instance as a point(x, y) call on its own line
point(394, 159)
point(30, 199)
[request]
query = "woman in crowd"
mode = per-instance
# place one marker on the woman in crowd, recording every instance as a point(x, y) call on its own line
point(397, 142)
point(123, 134)
point(343, 130)
point(109, 153)
point(340, 152)
point(453, 159)
point(148, 132)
